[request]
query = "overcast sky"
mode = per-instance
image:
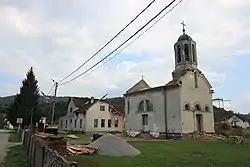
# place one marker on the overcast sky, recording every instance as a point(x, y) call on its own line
point(54, 37)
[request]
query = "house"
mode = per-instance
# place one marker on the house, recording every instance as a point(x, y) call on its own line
point(183, 105)
point(92, 115)
point(236, 120)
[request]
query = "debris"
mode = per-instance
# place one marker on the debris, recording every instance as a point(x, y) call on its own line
point(114, 146)
point(79, 150)
point(48, 136)
point(235, 140)
point(72, 137)
point(205, 136)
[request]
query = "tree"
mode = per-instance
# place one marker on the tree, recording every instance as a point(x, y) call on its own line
point(26, 103)
point(15, 110)
point(30, 99)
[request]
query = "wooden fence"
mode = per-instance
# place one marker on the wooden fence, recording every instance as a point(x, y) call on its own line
point(40, 155)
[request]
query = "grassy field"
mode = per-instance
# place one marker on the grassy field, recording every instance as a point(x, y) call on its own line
point(16, 157)
point(14, 138)
point(82, 136)
point(186, 153)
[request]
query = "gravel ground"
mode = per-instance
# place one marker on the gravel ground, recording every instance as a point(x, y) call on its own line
point(114, 146)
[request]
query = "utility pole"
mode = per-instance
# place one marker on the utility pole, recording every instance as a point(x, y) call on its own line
point(54, 103)
point(220, 100)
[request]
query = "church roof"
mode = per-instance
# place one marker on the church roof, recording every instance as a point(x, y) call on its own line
point(184, 37)
point(142, 84)
point(171, 84)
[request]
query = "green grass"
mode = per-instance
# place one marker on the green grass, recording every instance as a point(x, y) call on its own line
point(16, 157)
point(14, 138)
point(82, 136)
point(182, 153)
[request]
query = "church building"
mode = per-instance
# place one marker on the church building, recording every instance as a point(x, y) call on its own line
point(183, 105)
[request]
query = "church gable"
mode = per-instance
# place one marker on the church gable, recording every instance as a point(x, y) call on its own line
point(142, 84)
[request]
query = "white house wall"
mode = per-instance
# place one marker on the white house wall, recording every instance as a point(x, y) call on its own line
point(72, 116)
point(201, 96)
point(239, 122)
point(94, 112)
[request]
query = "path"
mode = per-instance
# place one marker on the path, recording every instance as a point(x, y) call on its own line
point(4, 136)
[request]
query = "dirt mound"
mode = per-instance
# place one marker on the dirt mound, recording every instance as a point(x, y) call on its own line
point(114, 146)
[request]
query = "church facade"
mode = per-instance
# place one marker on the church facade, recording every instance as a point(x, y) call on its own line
point(183, 105)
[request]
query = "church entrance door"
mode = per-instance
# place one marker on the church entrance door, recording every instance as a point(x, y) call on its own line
point(145, 122)
point(199, 122)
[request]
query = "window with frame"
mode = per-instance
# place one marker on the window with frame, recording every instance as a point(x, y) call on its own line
point(109, 123)
point(116, 123)
point(149, 106)
point(178, 54)
point(80, 123)
point(141, 106)
point(194, 53)
point(195, 80)
point(128, 106)
point(102, 123)
point(95, 123)
point(102, 108)
point(207, 108)
point(187, 107)
point(71, 109)
point(66, 123)
point(75, 122)
point(186, 50)
point(197, 107)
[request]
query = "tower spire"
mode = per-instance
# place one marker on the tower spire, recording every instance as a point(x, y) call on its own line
point(183, 27)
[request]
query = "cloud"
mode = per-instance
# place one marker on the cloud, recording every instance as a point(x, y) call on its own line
point(57, 36)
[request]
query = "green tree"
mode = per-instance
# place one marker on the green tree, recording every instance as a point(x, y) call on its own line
point(15, 110)
point(26, 103)
point(29, 93)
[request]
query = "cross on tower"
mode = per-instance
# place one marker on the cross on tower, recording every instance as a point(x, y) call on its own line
point(183, 26)
point(142, 76)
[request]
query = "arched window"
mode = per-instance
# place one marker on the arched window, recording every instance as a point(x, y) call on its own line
point(197, 107)
point(194, 53)
point(187, 107)
point(207, 108)
point(178, 54)
point(141, 107)
point(186, 50)
point(149, 106)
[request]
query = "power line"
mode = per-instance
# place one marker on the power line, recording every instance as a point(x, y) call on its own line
point(135, 39)
point(109, 40)
point(120, 44)
point(50, 89)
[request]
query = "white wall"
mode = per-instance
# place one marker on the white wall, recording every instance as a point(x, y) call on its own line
point(174, 110)
point(192, 95)
point(94, 112)
point(239, 122)
point(156, 119)
point(72, 116)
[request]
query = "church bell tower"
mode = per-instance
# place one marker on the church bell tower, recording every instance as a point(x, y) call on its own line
point(185, 54)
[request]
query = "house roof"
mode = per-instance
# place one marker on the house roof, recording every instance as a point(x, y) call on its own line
point(244, 118)
point(118, 107)
point(84, 104)
point(80, 101)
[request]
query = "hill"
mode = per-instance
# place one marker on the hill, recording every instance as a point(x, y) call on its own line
point(61, 104)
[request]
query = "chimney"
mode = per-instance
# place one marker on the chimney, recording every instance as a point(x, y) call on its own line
point(92, 100)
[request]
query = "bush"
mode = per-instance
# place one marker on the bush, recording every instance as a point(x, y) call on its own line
point(239, 131)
